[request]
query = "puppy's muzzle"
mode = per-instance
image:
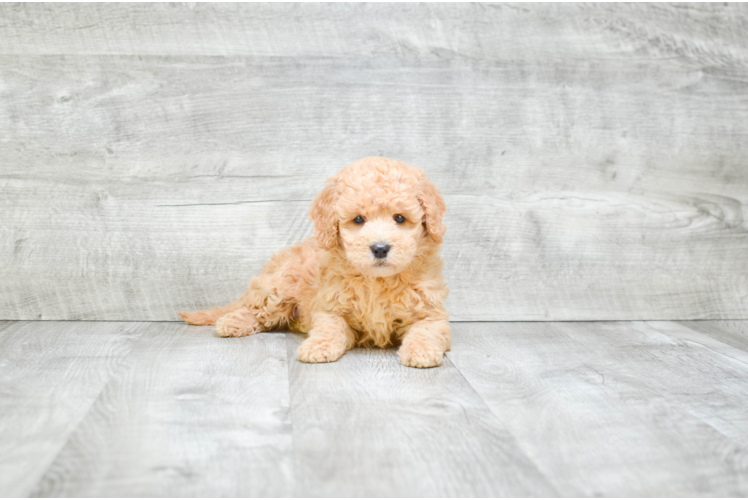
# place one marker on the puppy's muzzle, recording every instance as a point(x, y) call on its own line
point(380, 250)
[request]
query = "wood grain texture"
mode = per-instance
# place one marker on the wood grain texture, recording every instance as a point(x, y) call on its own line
point(366, 426)
point(50, 375)
point(722, 383)
point(731, 333)
point(615, 409)
point(437, 31)
point(592, 156)
point(187, 414)
point(517, 409)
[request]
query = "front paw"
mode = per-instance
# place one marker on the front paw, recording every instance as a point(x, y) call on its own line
point(421, 353)
point(321, 350)
point(237, 324)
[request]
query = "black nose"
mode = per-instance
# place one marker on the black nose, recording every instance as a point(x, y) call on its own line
point(380, 250)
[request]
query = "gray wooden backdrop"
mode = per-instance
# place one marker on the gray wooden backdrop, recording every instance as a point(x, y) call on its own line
point(594, 158)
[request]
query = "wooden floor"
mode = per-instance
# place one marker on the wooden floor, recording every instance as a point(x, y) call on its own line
point(516, 409)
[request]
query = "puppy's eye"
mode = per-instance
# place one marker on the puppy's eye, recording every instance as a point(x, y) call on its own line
point(399, 219)
point(359, 220)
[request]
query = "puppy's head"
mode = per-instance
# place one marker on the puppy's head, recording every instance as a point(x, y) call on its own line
point(381, 213)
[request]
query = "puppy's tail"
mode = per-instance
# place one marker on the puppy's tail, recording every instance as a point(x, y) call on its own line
point(209, 316)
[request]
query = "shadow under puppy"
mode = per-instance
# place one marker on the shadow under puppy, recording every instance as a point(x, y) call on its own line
point(371, 274)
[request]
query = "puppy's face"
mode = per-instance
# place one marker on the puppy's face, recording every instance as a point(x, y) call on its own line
point(380, 212)
point(381, 242)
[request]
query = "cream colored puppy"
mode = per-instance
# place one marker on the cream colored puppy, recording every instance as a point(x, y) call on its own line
point(371, 275)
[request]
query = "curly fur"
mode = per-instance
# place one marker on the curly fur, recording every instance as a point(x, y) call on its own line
point(333, 288)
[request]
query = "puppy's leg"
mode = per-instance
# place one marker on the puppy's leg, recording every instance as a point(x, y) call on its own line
point(329, 338)
point(425, 343)
point(238, 324)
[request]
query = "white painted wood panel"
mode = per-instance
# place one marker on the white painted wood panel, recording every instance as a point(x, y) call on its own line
point(592, 157)
point(712, 32)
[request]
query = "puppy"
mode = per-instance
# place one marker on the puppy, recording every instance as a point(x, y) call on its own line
point(371, 274)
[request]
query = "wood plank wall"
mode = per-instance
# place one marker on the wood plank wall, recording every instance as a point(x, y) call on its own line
point(594, 158)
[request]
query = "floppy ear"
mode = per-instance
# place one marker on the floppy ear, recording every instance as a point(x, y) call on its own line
point(323, 215)
point(433, 208)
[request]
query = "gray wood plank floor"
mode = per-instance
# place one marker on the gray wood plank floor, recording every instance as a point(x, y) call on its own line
point(517, 409)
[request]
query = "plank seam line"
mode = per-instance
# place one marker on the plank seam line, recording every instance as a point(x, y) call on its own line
point(115, 369)
point(705, 346)
point(517, 442)
point(234, 203)
point(294, 479)
point(684, 408)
